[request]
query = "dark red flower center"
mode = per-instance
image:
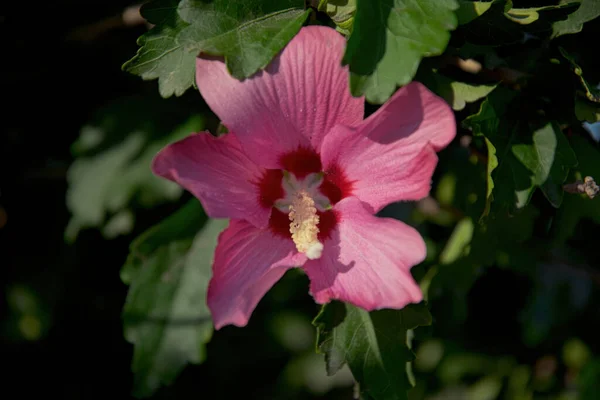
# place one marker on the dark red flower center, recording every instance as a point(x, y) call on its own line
point(302, 162)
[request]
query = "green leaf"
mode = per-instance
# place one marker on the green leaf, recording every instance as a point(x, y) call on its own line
point(248, 33)
point(179, 226)
point(111, 173)
point(165, 315)
point(161, 56)
point(548, 159)
point(374, 345)
point(341, 12)
point(469, 10)
point(589, 380)
point(587, 11)
point(388, 40)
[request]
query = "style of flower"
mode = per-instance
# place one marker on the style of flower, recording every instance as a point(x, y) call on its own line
point(301, 176)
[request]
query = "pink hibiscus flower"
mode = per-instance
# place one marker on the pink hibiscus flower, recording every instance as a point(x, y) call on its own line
point(301, 175)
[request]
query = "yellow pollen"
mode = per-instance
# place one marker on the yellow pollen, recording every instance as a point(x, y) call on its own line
point(304, 225)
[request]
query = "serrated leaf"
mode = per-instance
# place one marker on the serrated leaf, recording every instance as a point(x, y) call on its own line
point(165, 314)
point(248, 33)
point(587, 11)
point(389, 39)
point(374, 345)
point(548, 159)
point(112, 170)
point(161, 56)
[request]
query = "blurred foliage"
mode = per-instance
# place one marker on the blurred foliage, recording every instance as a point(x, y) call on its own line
point(512, 269)
point(112, 173)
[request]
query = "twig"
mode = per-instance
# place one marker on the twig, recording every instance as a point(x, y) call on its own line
point(503, 74)
point(587, 186)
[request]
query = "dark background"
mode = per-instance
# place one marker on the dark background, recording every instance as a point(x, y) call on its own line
point(61, 62)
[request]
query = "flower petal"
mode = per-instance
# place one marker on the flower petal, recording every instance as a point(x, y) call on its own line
point(367, 260)
point(391, 156)
point(415, 116)
point(293, 103)
point(379, 174)
point(248, 262)
point(218, 173)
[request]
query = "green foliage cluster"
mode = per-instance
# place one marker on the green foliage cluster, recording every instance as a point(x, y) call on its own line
point(523, 81)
